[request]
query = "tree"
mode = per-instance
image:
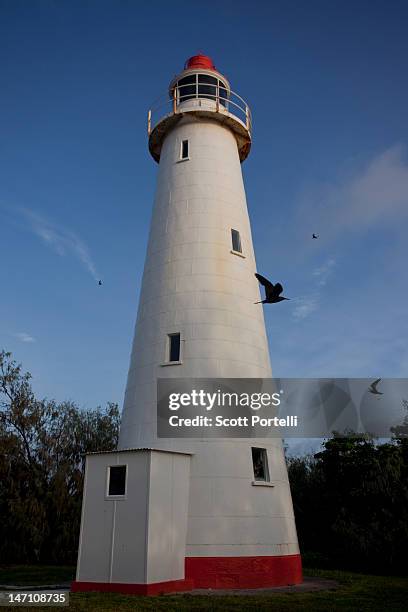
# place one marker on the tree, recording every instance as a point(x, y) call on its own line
point(42, 449)
point(351, 503)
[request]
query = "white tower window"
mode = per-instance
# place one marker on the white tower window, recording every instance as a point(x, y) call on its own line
point(174, 346)
point(117, 480)
point(236, 241)
point(260, 464)
point(184, 151)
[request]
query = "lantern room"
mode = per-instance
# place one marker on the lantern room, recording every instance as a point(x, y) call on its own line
point(199, 92)
point(200, 79)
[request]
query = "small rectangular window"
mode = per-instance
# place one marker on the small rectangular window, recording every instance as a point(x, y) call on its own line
point(260, 463)
point(174, 347)
point(184, 149)
point(236, 241)
point(117, 480)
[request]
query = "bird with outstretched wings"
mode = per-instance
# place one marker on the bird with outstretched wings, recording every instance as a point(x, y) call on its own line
point(272, 292)
point(373, 387)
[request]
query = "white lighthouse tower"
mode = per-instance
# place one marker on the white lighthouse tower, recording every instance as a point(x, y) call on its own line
point(211, 513)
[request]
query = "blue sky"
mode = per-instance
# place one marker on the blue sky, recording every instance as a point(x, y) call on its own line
point(327, 85)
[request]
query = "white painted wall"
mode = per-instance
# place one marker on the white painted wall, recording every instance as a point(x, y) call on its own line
point(194, 285)
point(138, 539)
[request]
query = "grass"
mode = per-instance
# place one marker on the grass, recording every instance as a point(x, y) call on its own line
point(356, 592)
point(31, 575)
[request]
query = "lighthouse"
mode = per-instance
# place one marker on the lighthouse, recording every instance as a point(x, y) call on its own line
point(174, 514)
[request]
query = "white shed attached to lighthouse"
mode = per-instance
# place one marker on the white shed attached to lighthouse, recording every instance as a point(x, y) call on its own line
point(196, 319)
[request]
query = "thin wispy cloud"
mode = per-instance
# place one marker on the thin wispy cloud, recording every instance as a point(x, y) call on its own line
point(305, 306)
point(369, 195)
point(23, 337)
point(308, 304)
point(61, 241)
point(323, 272)
point(379, 191)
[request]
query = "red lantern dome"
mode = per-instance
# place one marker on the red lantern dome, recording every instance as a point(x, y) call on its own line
point(199, 61)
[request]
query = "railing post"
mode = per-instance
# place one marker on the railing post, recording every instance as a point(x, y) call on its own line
point(149, 122)
point(218, 97)
point(247, 117)
point(175, 99)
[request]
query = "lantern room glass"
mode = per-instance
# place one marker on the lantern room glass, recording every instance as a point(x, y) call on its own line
point(201, 86)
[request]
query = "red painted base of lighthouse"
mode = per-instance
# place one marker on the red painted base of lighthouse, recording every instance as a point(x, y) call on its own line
point(215, 573)
point(243, 572)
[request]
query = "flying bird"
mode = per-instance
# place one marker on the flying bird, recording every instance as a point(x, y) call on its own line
point(373, 387)
point(100, 282)
point(272, 292)
point(315, 236)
